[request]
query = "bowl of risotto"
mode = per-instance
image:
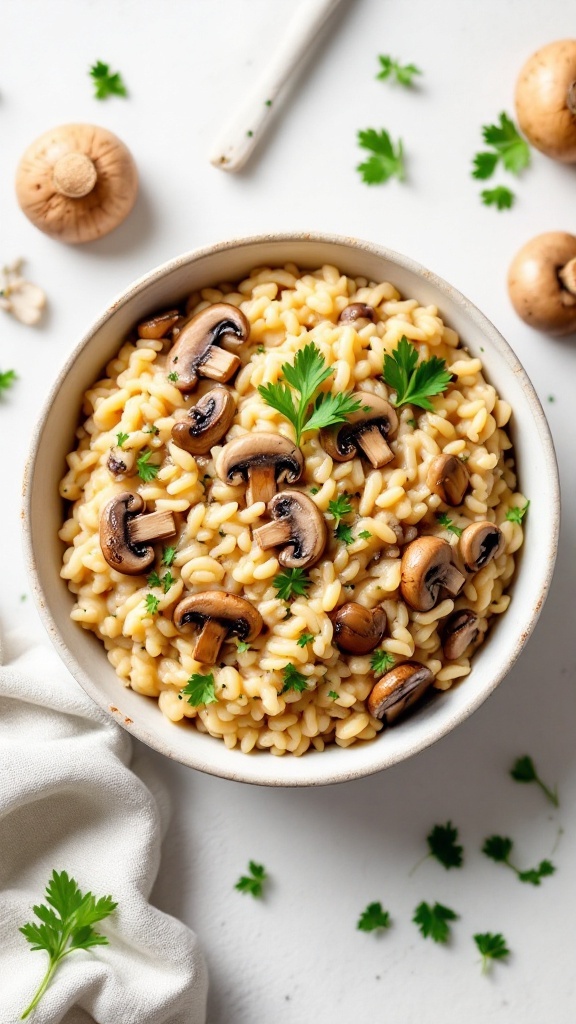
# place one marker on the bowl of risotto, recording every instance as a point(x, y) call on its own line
point(284, 508)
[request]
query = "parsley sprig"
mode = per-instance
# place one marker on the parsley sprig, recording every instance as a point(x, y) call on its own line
point(146, 472)
point(414, 383)
point(433, 921)
point(381, 661)
point(517, 512)
point(252, 883)
point(392, 70)
point(7, 379)
point(386, 161)
point(293, 680)
point(165, 581)
point(507, 147)
point(305, 639)
point(443, 845)
point(310, 410)
point(105, 82)
point(524, 770)
point(66, 921)
point(445, 521)
point(152, 604)
point(499, 849)
point(491, 947)
point(500, 197)
point(199, 690)
point(168, 556)
point(291, 583)
point(373, 918)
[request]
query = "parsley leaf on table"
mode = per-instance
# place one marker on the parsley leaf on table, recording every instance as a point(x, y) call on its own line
point(491, 947)
point(291, 583)
point(7, 378)
point(145, 472)
point(65, 925)
point(293, 680)
point(499, 848)
point(445, 521)
point(517, 512)
point(524, 770)
point(373, 918)
point(433, 921)
point(105, 83)
point(199, 690)
point(414, 383)
point(254, 882)
point(387, 160)
point(484, 165)
point(393, 70)
point(500, 197)
point(380, 662)
point(443, 846)
point(510, 147)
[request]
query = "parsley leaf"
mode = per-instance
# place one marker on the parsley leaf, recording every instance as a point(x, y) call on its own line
point(373, 918)
point(414, 382)
point(510, 147)
point(516, 513)
point(433, 921)
point(7, 379)
point(340, 507)
point(242, 646)
point(154, 580)
point(393, 70)
point(491, 947)
point(66, 924)
point(445, 521)
point(173, 376)
point(305, 377)
point(293, 680)
point(291, 583)
point(168, 556)
point(333, 695)
point(524, 770)
point(387, 160)
point(381, 661)
point(151, 429)
point(499, 848)
point(152, 604)
point(484, 165)
point(502, 198)
point(199, 690)
point(344, 533)
point(252, 883)
point(146, 472)
point(305, 639)
point(443, 845)
point(105, 83)
point(121, 437)
point(364, 535)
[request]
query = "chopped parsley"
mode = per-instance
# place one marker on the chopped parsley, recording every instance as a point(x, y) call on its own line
point(443, 846)
point(253, 882)
point(491, 947)
point(242, 646)
point(373, 918)
point(314, 490)
point(516, 513)
point(146, 472)
point(291, 583)
point(165, 581)
point(501, 197)
point(445, 521)
point(199, 690)
point(499, 848)
point(364, 535)
point(121, 437)
point(152, 604)
point(392, 70)
point(151, 428)
point(7, 379)
point(414, 383)
point(305, 639)
point(340, 507)
point(344, 533)
point(386, 161)
point(293, 680)
point(433, 921)
point(381, 662)
point(105, 83)
point(168, 556)
point(173, 376)
point(333, 695)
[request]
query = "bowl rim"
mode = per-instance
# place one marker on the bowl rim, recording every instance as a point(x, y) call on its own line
point(435, 731)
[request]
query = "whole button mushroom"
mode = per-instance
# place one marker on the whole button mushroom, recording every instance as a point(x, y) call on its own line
point(426, 568)
point(262, 461)
point(542, 283)
point(298, 526)
point(546, 100)
point(218, 615)
point(125, 533)
point(398, 690)
point(365, 432)
point(158, 326)
point(448, 478)
point(77, 182)
point(357, 313)
point(206, 422)
point(196, 352)
point(460, 630)
point(357, 629)
point(479, 544)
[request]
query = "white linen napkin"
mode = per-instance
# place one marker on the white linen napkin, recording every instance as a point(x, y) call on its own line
point(71, 798)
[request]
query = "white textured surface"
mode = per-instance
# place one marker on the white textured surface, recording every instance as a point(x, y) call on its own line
point(329, 851)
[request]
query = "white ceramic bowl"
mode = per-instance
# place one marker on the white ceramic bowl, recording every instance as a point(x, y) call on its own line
point(84, 655)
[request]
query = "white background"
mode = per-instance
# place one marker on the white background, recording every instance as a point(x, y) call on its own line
point(296, 957)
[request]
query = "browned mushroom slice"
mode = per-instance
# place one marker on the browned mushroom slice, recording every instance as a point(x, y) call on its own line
point(358, 629)
point(367, 429)
point(426, 568)
point(542, 282)
point(218, 615)
point(121, 463)
point(460, 630)
point(357, 311)
point(262, 461)
point(206, 422)
point(398, 690)
point(448, 478)
point(196, 351)
point(159, 325)
point(479, 544)
point(298, 527)
point(125, 533)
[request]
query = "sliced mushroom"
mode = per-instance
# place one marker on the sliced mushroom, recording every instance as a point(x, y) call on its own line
point(218, 615)
point(159, 325)
point(358, 629)
point(367, 429)
point(460, 630)
point(542, 282)
point(479, 544)
point(398, 690)
point(448, 478)
point(121, 462)
point(357, 311)
point(262, 460)
point(196, 351)
point(206, 422)
point(425, 569)
point(125, 533)
point(298, 526)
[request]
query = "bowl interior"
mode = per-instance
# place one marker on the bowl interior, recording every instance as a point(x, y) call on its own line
point(83, 653)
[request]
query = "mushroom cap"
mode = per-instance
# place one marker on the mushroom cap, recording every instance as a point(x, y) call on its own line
point(157, 326)
point(546, 100)
point(358, 629)
point(536, 291)
point(206, 422)
point(357, 311)
point(448, 478)
point(249, 451)
point(479, 544)
point(121, 462)
point(77, 182)
point(398, 690)
point(423, 566)
point(308, 528)
point(218, 322)
point(340, 442)
point(127, 557)
point(460, 630)
point(241, 617)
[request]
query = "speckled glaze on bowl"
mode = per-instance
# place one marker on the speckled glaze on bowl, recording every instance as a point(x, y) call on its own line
point(85, 656)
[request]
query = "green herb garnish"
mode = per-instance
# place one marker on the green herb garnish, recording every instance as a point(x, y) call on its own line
point(199, 690)
point(314, 490)
point(508, 146)
point(364, 535)
point(151, 428)
point(396, 72)
point(433, 921)
point(502, 198)
point(105, 83)
point(7, 379)
point(121, 437)
point(445, 521)
point(381, 662)
point(253, 882)
point(344, 533)
point(145, 472)
point(291, 583)
point(414, 383)
point(293, 680)
point(524, 770)
point(333, 695)
point(305, 639)
point(152, 604)
point(242, 646)
point(173, 376)
point(387, 160)
point(340, 507)
point(499, 848)
point(443, 846)
point(516, 513)
point(373, 918)
point(491, 947)
point(168, 556)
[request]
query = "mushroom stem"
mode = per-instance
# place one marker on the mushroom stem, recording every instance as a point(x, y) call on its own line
point(155, 526)
point(453, 580)
point(209, 642)
point(220, 365)
point(261, 484)
point(374, 447)
point(273, 534)
point(567, 275)
point(74, 175)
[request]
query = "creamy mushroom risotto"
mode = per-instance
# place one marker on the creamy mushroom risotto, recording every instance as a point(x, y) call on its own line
point(293, 509)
